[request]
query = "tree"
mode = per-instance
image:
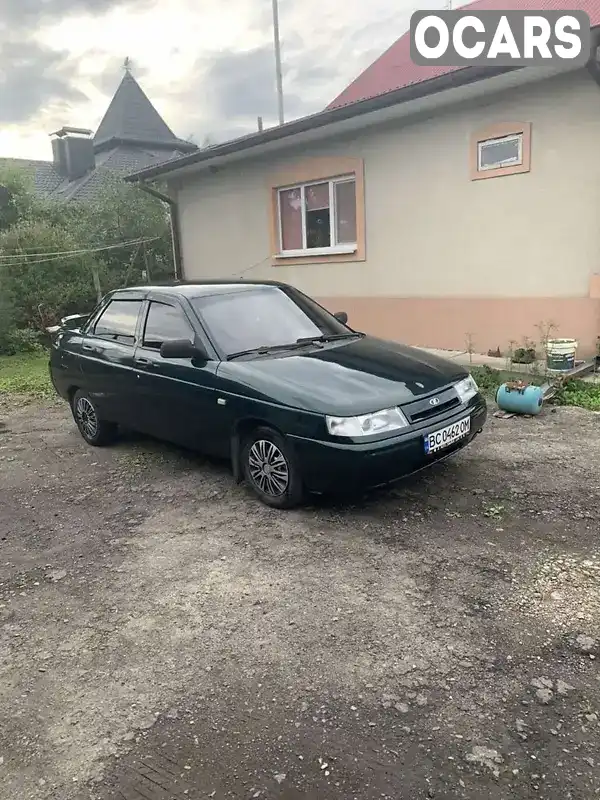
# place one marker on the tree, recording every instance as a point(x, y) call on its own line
point(7, 322)
point(18, 201)
point(41, 283)
point(123, 213)
point(55, 257)
point(22, 203)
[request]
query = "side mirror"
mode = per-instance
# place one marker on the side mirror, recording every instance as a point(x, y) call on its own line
point(342, 317)
point(182, 348)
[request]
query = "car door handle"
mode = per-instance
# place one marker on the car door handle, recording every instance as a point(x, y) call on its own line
point(144, 362)
point(89, 347)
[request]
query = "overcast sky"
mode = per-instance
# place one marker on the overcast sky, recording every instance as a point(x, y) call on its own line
point(207, 65)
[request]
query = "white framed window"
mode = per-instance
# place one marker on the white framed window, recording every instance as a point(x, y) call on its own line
point(505, 151)
point(317, 218)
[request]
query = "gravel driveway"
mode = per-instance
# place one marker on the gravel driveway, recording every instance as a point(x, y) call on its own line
point(162, 635)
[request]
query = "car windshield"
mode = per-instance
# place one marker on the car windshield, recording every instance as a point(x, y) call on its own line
point(244, 318)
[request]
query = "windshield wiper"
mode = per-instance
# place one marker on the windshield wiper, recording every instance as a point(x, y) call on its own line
point(265, 349)
point(328, 337)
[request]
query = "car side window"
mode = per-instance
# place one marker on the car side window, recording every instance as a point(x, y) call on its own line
point(165, 323)
point(118, 321)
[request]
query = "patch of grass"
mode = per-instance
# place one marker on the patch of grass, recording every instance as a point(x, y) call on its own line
point(26, 374)
point(579, 393)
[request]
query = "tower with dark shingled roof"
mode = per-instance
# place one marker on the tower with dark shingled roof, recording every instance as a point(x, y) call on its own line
point(131, 135)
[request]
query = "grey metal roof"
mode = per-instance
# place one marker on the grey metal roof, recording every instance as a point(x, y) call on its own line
point(131, 118)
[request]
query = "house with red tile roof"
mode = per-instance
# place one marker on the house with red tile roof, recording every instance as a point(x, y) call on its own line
point(437, 206)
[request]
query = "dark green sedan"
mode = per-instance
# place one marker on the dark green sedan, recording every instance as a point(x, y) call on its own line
point(265, 376)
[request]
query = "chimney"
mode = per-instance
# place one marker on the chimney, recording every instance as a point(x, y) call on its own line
point(73, 152)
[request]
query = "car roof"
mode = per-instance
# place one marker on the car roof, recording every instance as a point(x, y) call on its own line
point(192, 289)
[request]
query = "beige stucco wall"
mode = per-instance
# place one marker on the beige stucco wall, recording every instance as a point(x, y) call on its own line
point(431, 232)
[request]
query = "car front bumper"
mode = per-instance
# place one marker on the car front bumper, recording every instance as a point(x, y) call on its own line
point(333, 467)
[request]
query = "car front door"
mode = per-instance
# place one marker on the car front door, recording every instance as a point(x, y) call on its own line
point(107, 350)
point(176, 396)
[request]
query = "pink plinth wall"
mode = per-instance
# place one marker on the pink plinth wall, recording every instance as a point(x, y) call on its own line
point(489, 323)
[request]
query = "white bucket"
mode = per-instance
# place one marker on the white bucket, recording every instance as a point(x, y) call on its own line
point(560, 354)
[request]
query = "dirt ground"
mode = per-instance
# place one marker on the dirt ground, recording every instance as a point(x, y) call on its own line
point(162, 635)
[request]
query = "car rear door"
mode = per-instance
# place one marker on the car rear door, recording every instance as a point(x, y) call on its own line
point(176, 397)
point(107, 351)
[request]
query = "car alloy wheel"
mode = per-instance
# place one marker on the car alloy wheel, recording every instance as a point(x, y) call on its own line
point(268, 468)
point(95, 430)
point(86, 417)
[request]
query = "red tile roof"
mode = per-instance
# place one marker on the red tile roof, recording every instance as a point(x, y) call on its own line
point(395, 70)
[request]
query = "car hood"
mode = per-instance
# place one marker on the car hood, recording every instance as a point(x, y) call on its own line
point(345, 378)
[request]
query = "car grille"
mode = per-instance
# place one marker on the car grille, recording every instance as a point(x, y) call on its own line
point(421, 410)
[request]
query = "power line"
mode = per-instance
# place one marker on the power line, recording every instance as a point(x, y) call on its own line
point(251, 267)
point(24, 257)
point(129, 243)
point(28, 262)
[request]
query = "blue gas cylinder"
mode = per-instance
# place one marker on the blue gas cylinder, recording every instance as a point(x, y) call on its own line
point(520, 398)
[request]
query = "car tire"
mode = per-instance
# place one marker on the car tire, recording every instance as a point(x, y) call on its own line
point(280, 486)
point(94, 430)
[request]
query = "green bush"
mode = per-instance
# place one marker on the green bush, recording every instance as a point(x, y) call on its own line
point(25, 340)
point(53, 254)
point(488, 379)
point(579, 393)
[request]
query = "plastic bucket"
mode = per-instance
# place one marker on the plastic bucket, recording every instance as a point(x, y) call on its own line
point(560, 354)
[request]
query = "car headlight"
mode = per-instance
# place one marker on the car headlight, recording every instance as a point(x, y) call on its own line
point(466, 389)
point(390, 419)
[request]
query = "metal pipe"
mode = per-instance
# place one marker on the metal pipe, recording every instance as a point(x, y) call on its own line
point(278, 72)
point(174, 220)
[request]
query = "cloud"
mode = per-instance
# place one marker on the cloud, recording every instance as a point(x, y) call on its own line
point(208, 66)
point(22, 13)
point(324, 46)
point(108, 78)
point(33, 77)
point(240, 86)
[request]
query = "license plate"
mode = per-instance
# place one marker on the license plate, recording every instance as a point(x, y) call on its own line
point(438, 440)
